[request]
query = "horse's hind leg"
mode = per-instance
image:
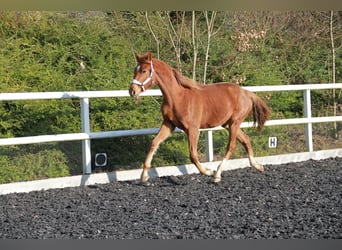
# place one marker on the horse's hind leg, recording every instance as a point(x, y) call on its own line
point(233, 128)
point(245, 141)
point(236, 133)
point(193, 140)
point(164, 132)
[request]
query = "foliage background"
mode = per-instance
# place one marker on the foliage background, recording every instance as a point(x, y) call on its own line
point(45, 51)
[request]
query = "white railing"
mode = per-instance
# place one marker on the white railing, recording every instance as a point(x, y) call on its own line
point(86, 135)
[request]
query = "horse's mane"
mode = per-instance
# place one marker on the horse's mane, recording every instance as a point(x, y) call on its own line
point(185, 81)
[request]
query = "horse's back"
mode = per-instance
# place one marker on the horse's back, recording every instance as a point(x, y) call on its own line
point(224, 90)
point(216, 103)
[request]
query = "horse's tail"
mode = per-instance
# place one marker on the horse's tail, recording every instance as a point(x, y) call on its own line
point(260, 111)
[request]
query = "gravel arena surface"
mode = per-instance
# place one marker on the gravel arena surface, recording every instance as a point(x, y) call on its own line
point(296, 200)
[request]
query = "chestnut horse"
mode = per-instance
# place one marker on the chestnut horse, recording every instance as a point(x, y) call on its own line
point(191, 106)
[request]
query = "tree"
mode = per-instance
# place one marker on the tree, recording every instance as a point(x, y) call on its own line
point(333, 63)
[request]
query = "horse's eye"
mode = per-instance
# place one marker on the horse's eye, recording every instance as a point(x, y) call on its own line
point(144, 71)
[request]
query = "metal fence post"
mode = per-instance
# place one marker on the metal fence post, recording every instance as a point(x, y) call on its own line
point(307, 114)
point(86, 150)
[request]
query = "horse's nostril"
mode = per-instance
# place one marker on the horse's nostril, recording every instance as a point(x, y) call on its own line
point(131, 92)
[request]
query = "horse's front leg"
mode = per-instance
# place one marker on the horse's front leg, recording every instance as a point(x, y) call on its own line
point(193, 141)
point(165, 130)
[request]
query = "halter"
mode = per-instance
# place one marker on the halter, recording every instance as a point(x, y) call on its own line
point(146, 81)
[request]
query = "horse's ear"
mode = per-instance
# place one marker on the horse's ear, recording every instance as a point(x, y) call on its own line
point(149, 56)
point(138, 57)
point(144, 58)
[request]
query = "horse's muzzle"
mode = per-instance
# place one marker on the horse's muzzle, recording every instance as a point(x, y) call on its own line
point(134, 90)
point(131, 92)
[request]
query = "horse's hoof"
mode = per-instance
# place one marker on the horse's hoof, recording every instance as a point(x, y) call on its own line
point(146, 184)
point(144, 179)
point(216, 179)
point(260, 168)
point(209, 172)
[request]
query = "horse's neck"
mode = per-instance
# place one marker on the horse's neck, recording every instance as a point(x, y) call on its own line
point(170, 88)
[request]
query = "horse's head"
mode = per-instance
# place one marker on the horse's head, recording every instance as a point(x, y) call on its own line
point(143, 75)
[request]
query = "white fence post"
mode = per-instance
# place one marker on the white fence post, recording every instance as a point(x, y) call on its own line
point(209, 148)
point(86, 150)
point(308, 114)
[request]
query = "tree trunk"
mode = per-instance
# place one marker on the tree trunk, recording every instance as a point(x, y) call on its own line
point(333, 54)
point(194, 44)
point(210, 27)
point(153, 34)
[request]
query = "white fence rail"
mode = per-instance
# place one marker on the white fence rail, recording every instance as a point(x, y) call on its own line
point(86, 135)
